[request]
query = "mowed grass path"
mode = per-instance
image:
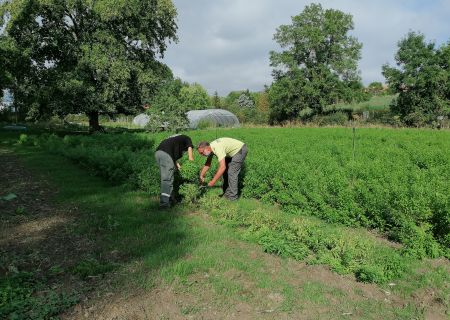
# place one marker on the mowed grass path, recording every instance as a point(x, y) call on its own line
point(183, 264)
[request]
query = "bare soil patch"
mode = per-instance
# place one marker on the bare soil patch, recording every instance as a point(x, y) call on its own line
point(36, 234)
point(198, 299)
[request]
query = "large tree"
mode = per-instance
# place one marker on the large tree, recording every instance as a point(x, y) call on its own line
point(318, 64)
point(88, 56)
point(170, 104)
point(194, 97)
point(422, 80)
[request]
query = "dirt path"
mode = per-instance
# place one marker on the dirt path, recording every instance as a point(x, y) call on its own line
point(318, 292)
point(36, 234)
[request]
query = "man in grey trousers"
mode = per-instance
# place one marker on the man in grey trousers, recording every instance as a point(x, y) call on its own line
point(231, 154)
point(167, 154)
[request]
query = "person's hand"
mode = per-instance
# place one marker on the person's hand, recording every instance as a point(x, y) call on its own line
point(211, 184)
point(178, 166)
point(202, 178)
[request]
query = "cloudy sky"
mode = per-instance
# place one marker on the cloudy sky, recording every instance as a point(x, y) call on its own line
point(224, 44)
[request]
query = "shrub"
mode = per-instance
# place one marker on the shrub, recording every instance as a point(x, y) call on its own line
point(23, 139)
point(190, 192)
point(19, 298)
point(333, 119)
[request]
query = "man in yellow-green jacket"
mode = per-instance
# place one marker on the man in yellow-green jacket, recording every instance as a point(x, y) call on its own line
point(231, 154)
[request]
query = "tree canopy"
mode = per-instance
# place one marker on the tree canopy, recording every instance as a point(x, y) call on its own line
point(422, 80)
point(318, 64)
point(194, 97)
point(85, 56)
point(173, 99)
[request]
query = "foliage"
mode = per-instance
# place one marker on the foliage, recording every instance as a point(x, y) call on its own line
point(262, 111)
point(318, 64)
point(244, 101)
point(170, 120)
point(338, 118)
point(84, 56)
point(215, 100)
point(91, 267)
point(194, 97)
point(249, 107)
point(190, 192)
point(172, 101)
point(19, 298)
point(374, 103)
point(422, 80)
point(167, 97)
point(23, 139)
point(166, 110)
point(190, 171)
point(177, 245)
point(345, 250)
point(376, 88)
point(383, 184)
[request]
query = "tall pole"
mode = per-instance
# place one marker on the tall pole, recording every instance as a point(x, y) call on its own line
point(354, 131)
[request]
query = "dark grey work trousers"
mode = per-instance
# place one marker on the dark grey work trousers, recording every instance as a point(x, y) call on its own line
point(167, 170)
point(231, 174)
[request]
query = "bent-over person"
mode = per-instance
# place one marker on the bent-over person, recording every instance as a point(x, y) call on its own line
point(167, 155)
point(231, 154)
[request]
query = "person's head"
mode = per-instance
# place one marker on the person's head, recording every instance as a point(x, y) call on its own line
point(204, 148)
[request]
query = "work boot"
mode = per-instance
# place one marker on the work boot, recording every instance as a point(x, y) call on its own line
point(164, 206)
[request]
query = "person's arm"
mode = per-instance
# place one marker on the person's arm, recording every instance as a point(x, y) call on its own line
point(205, 168)
point(190, 154)
point(219, 173)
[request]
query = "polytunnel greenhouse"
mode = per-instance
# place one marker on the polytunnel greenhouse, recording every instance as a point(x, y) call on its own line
point(141, 120)
point(207, 117)
point(212, 117)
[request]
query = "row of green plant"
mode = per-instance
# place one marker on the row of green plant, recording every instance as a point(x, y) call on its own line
point(394, 181)
point(346, 250)
point(178, 249)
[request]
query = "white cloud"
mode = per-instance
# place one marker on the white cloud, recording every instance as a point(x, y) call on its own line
point(224, 45)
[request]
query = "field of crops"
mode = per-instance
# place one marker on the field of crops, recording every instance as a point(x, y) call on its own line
point(393, 181)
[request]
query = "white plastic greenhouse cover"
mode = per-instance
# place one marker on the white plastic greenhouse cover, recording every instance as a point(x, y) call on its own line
point(219, 117)
point(141, 120)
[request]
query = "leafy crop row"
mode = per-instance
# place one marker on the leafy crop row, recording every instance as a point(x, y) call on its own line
point(395, 181)
point(346, 250)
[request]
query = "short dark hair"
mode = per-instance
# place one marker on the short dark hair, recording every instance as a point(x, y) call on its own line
point(203, 144)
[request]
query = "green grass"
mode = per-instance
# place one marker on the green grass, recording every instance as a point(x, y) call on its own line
point(179, 248)
point(18, 298)
point(377, 179)
point(375, 103)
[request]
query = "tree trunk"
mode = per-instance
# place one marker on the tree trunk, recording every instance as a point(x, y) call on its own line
point(94, 126)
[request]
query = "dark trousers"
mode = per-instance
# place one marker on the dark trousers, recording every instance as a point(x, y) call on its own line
point(231, 174)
